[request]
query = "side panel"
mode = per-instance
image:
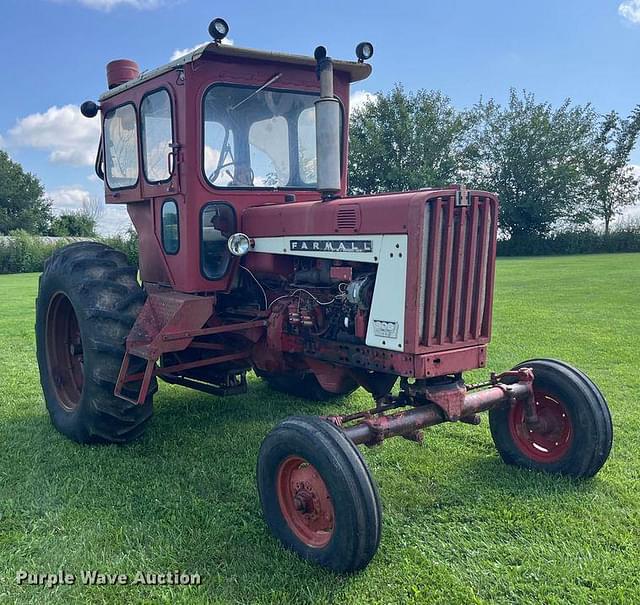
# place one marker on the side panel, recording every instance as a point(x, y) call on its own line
point(361, 248)
point(151, 261)
point(387, 315)
point(175, 263)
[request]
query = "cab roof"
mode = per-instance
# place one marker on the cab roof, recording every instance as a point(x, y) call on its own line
point(357, 71)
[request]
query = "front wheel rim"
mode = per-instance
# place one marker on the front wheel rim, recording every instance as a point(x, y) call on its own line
point(305, 502)
point(549, 440)
point(65, 357)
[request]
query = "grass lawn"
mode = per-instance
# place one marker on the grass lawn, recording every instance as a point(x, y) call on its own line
point(459, 526)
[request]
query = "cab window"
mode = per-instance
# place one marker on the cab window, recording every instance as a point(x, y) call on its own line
point(269, 151)
point(157, 136)
point(217, 223)
point(121, 147)
point(259, 137)
point(170, 227)
point(218, 143)
point(307, 145)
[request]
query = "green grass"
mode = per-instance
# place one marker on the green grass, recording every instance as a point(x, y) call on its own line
point(459, 526)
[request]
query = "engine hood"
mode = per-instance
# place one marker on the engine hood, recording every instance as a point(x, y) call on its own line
point(372, 214)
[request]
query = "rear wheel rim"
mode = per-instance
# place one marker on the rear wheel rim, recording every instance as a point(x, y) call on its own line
point(549, 440)
point(305, 502)
point(65, 358)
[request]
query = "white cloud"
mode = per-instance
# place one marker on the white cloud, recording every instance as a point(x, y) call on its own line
point(114, 220)
point(2, 142)
point(63, 131)
point(66, 199)
point(359, 99)
point(107, 5)
point(180, 52)
point(630, 10)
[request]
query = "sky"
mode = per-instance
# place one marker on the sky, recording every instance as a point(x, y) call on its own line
point(56, 51)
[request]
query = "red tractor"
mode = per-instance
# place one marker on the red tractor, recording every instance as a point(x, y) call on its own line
point(232, 164)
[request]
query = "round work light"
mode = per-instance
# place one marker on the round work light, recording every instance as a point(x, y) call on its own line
point(218, 29)
point(320, 53)
point(89, 109)
point(239, 244)
point(364, 51)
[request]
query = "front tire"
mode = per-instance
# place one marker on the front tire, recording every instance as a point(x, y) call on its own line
point(317, 495)
point(88, 300)
point(574, 435)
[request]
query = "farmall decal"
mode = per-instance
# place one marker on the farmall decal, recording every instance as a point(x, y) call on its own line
point(330, 245)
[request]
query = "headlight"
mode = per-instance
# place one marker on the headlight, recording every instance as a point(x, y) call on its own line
point(239, 244)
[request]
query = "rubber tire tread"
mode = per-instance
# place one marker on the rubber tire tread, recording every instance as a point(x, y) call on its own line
point(354, 494)
point(106, 297)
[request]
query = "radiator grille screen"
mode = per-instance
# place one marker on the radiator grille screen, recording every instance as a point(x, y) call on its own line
point(458, 279)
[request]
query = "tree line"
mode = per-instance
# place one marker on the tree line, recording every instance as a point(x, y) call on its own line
point(553, 168)
point(25, 207)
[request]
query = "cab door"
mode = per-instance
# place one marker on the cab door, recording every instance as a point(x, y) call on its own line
point(160, 150)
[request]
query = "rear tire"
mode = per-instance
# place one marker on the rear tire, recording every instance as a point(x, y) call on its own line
point(317, 495)
point(303, 385)
point(575, 434)
point(88, 300)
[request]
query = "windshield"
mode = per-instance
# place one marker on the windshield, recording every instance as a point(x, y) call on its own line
point(259, 138)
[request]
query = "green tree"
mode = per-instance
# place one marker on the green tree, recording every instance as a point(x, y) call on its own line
point(614, 184)
point(401, 141)
point(73, 224)
point(23, 204)
point(534, 157)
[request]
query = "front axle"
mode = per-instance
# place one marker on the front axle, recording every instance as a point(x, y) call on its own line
point(433, 405)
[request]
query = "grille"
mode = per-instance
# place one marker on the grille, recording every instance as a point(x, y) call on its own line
point(348, 218)
point(460, 250)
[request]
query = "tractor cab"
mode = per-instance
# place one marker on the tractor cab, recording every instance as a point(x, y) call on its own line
point(191, 145)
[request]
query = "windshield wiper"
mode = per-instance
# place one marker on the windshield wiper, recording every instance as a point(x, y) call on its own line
point(255, 92)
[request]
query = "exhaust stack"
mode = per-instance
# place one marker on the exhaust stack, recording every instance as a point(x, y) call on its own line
point(327, 128)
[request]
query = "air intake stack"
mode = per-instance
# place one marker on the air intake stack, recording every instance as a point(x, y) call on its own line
point(121, 71)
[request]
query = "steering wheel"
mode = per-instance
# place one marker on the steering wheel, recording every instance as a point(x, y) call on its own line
point(216, 173)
